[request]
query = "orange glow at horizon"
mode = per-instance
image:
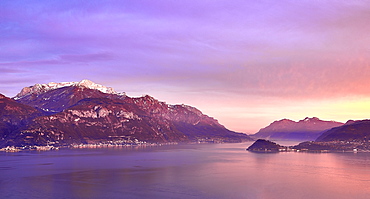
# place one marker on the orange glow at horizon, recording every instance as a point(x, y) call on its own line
point(254, 115)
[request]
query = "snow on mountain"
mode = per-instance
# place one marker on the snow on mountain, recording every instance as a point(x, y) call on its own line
point(42, 88)
point(84, 112)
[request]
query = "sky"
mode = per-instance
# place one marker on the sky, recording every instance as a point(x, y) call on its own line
point(246, 63)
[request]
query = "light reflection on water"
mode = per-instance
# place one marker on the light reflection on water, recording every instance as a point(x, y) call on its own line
point(183, 171)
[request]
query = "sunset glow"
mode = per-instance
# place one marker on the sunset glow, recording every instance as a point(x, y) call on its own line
point(245, 63)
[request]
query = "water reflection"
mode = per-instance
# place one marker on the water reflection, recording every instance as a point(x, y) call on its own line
point(186, 171)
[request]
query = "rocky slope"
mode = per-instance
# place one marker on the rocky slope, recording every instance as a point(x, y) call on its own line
point(13, 116)
point(307, 129)
point(76, 113)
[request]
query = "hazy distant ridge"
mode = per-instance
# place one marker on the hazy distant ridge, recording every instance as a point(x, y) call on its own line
point(305, 130)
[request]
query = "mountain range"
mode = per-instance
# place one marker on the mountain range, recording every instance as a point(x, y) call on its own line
point(353, 136)
point(303, 130)
point(83, 112)
point(74, 113)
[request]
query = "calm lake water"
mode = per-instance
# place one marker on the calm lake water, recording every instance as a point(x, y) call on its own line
point(183, 171)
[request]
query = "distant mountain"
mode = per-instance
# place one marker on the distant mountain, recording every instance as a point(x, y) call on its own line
point(88, 113)
point(304, 130)
point(351, 131)
point(352, 136)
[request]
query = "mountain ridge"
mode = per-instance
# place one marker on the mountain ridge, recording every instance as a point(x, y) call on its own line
point(306, 129)
point(42, 88)
point(73, 113)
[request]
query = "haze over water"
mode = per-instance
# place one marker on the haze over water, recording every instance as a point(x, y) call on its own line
point(183, 171)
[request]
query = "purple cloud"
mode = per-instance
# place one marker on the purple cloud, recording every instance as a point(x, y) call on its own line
point(246, 49)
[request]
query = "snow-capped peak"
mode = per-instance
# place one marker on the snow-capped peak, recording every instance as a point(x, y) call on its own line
point(42, 88)
point(91, 85)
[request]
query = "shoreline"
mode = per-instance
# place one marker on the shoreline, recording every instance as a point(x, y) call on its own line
point(98, 145)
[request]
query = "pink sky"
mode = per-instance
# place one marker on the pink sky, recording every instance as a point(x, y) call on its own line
point(246, 63)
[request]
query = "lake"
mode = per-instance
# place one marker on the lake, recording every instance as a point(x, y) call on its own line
point(183, 171)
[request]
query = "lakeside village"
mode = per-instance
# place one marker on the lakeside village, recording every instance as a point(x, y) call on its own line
point(261, 145)
point(335, 146)
point(108, 144)
point(101, 144)
point(266, 146)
